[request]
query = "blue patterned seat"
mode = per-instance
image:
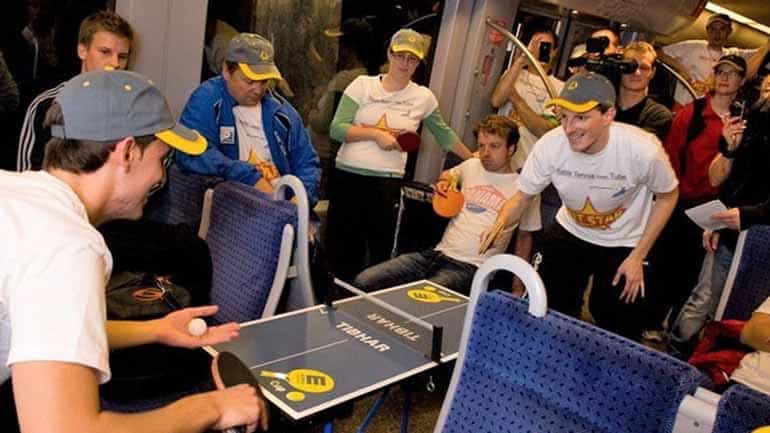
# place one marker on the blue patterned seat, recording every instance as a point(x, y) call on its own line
point(250, 236)
point(181, 199)
point(748, 282)
point(741, 410)
point(521, 373)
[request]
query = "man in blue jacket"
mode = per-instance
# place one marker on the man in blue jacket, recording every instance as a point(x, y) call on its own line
point(254, 136)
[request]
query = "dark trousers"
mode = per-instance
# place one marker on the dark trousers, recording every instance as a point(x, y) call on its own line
point(567, 264)
point(429, 265)
point(362, 220)
point(677, 255)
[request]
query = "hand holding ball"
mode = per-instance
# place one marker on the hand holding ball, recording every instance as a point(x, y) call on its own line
point(197, 327)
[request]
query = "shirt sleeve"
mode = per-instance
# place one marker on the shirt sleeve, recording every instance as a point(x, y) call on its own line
point(445, 136)
point(659, 176)
point(343, 118)
point(58, 310)
point(536, 174)
point(678, 49)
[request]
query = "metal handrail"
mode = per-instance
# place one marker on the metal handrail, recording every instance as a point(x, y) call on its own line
point(679, 78)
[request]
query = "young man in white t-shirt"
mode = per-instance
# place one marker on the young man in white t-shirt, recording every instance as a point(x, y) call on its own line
point(754, 370)
point(112, 134)
point(606, 174)
point(521, 94)
point(486, 183)
point(695, 59)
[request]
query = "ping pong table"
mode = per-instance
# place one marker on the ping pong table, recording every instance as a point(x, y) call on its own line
point(311, 360)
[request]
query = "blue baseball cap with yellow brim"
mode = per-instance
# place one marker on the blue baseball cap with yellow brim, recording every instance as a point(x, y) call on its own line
point(584, 92)
point(254, 55)
point(112, 105)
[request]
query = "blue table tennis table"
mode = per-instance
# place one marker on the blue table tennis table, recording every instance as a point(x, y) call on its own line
point(312, 360)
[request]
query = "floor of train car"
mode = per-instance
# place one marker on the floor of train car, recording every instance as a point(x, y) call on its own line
point(423, 413)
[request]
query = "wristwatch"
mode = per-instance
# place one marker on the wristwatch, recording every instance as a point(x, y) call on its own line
point(725, 151)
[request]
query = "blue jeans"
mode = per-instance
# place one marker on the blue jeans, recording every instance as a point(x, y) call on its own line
point(704, 299)
point(429, 264)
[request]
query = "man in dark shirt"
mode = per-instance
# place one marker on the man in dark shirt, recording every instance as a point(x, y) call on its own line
point(634, 106)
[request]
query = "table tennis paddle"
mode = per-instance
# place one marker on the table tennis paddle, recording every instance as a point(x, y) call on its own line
point(450, 202)
point(228, 370)
point(408, 141)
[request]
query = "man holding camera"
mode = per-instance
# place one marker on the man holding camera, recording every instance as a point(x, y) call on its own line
point(521, 94)
point(691, 144)
point(634, 106)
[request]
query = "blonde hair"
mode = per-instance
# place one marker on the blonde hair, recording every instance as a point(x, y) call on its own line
point(642, 48)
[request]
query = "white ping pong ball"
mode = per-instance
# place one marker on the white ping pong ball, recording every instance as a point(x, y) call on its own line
point(197, 327)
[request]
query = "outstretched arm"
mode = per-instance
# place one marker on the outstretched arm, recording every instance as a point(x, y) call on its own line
point(64, 397)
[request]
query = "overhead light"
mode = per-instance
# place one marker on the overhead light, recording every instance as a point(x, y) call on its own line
point(738, 18)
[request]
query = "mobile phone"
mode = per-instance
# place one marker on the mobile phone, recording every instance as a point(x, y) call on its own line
point(544, 55)
point(738, 108)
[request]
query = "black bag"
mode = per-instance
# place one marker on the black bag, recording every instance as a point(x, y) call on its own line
point(143, 296)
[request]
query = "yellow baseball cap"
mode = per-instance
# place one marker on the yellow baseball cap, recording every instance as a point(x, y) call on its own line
point(410, 41)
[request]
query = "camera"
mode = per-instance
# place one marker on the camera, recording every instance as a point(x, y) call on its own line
point(544, 53)
point(609, 65)
point(737, 108)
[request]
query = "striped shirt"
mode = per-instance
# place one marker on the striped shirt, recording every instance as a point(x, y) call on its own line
point(33, 137)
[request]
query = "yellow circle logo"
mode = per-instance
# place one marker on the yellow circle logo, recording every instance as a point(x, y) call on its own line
point(304, 379)
point(573, 85)
point(295, 396)
point(428, 295)
point(264, 55)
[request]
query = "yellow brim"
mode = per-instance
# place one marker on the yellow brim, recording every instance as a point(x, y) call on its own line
point(401, 48)
point(727, 62)
point(571, 106)
point(194, 144)
point(251, 75)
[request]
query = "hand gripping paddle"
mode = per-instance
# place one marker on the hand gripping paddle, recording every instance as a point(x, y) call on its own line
point(450, 202)
point(408, 141)
point(228, 370)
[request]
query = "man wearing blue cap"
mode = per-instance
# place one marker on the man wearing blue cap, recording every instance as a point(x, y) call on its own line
point(254, 136)
point(606, 174)
point(111, 133)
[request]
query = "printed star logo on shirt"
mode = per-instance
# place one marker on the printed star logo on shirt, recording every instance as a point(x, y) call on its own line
point(383, 125)
point(589, 217)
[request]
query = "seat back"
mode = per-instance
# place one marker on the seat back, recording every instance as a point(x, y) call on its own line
point(250, 236)
point(181, 198)
point(741, 410)
point(748, 281)
point(417, 225)
point(520, 373)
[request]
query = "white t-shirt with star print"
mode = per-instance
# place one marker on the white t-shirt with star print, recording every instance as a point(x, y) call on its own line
point(606, 196)
point(398, 111)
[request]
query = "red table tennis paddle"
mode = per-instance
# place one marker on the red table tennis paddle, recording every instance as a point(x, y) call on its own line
point(228, 370)
point(408, 141)
point(450, 202)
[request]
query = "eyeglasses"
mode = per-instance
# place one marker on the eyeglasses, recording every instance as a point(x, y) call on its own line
point(729, 73)
point(405, 58)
